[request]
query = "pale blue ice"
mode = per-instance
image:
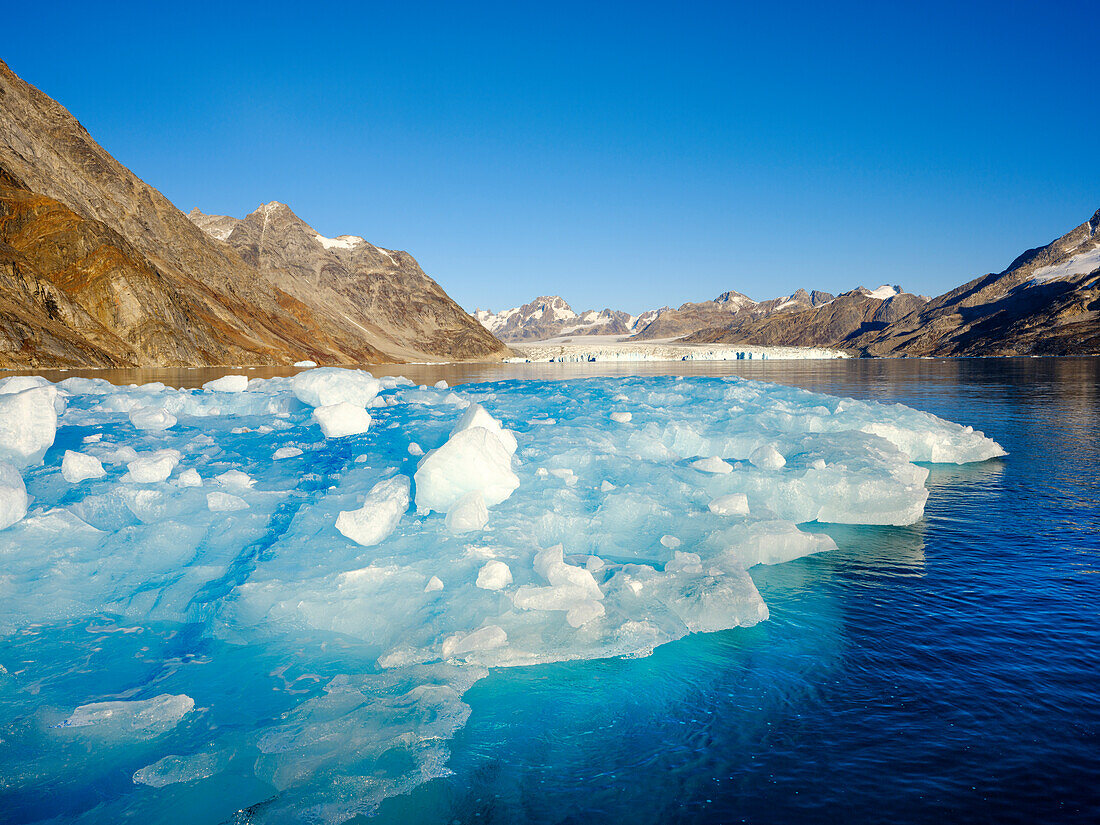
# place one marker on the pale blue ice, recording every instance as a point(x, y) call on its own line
point(292, 616)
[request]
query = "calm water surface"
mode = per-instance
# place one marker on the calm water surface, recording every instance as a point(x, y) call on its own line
point(944, 672)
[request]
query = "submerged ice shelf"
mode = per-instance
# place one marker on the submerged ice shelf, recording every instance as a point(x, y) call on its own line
point(389, 558)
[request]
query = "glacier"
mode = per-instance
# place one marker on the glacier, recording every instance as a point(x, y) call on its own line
point(265, 595)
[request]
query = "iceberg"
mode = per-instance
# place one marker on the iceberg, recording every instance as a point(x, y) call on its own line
point(471, 460)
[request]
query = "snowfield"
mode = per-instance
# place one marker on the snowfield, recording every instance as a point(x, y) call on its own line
point(287, 592)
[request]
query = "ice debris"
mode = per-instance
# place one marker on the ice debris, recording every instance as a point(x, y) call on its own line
point(28, 424)
point(601, 541)
point(152, 418)
point(77, 467)
point(386, 502)
point(471, 460)
point(13, 496)
point(494, 575)
point(468, 514)
point(713, 464)
point(327, 386)
point(137, 717)
point(342, 419)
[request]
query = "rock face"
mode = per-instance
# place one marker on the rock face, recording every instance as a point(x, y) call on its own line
point(549, 316)
point(383, 293)
point(829, 324)
point(727, 308)
point(97, 268)
point(1047, 302)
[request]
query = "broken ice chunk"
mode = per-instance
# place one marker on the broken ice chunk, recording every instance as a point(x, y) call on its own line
point(140, 717)
point(469, 513)
point(494, 575)
point(174, 769)
point(712, 465)
point(470, 460)
point(735, 504)
point(153, 419)
point(227, 383)
point(28, 424)
point(477, 416)
point(766, 457)
point(77, 467)
point(378, 517)
point(189, 478)
point(152, 468)
point(219, 502)
point(485, 638)
point(342, 419)
point(235, 478)
point(13, 496)
point(328, 386)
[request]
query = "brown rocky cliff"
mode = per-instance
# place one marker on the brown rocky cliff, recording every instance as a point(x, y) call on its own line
point(182, 297)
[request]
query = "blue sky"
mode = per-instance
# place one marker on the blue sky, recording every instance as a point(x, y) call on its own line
point(625, 155)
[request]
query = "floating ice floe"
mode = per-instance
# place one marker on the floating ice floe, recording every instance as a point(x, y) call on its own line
point(227, 383)
point(133, 717)
point(559, 536)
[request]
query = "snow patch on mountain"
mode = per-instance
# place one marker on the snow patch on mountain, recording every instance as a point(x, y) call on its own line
point(341, 242)
point(1079, 264)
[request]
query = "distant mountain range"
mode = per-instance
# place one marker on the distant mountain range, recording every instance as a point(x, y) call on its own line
point(97, 268)
point(551, 317)
point(1047, 302)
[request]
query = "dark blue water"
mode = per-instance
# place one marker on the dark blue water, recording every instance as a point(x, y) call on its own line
point(945, 672)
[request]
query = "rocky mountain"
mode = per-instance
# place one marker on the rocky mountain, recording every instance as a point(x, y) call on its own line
point(381, 292)
point(73, 292)
point(1047, 302)
point(550, 317)
point(692, 317)
point(828, 324)
point(98, 268)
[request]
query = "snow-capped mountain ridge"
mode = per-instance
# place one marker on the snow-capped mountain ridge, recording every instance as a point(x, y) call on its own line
point(549, 316)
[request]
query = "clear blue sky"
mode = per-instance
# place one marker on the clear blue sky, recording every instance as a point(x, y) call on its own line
point(631, 155)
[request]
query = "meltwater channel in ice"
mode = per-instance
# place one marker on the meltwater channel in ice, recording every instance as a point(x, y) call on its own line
point(386, 543)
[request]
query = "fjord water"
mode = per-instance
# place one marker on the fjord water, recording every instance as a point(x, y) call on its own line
point(941, 671)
